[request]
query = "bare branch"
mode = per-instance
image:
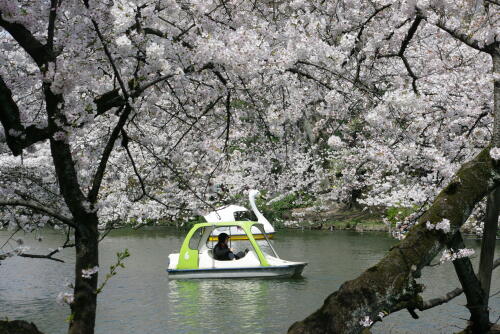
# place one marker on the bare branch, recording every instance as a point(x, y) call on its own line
point(357, 45)
point(113, 98)
point(401, 53)
point(36, 207)
point(11, 236)
point(228, 121)
point(18, 137)
point(96, 183)
point(410, 34)
point(49, 256)
point(308, 76)
point(207, 109)
point(109, 56)
point(455, 33)
point(177, 175)
point(449, 296)
point(478, 119)
point(159, 33)
point(38, 52)
point(52, 24)
point(37, 256)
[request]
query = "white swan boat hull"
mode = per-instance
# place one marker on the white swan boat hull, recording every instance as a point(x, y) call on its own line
point(294, 270)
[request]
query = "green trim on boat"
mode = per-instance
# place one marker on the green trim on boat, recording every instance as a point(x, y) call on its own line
point(188, 258)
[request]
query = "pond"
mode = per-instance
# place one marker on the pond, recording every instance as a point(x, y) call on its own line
point(141, 298)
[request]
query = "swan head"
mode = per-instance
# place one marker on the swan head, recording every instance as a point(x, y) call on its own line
point(253, 193)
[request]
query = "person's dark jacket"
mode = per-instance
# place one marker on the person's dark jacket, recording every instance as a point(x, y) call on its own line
point(222, 252)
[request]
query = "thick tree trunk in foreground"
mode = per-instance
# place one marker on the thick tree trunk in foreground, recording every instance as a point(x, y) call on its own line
point(493, 203)
point(489, 240)
point(83, 308)
point(390, 285)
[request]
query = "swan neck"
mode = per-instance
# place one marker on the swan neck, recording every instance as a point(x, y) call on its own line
point(254, 208)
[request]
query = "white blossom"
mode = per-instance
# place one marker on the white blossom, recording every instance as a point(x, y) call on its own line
point(366, 321)
point(495, 153)
point(334, 141)
point(65, 298)
point(450, 255)
point(444, 225)
point(87, 273)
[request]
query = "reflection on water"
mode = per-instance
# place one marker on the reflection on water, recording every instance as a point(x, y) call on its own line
point(141, 299)
point(216, 304)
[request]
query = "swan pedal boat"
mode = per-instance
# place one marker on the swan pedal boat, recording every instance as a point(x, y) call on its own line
point(195, 259)
point(231, 213)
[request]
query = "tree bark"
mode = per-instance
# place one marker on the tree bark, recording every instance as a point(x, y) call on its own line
point(488, 241)
point(493, 203)
point(83, 308)
point(390, 285)
point(476, 302)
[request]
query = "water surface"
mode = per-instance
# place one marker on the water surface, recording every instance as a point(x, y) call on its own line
point(141, 299)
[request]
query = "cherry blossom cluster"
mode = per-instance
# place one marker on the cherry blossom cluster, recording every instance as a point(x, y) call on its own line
point(452, 255)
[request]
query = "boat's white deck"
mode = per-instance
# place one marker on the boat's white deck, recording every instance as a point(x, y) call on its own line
point(206, 261)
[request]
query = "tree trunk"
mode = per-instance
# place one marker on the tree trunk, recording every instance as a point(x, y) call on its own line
point(83, 308)
point(476, 302)
point(488, 242)
point(390, 285)
point(493, 203)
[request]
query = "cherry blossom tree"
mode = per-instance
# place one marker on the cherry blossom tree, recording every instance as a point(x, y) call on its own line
point(130, 111)
point(409, 60)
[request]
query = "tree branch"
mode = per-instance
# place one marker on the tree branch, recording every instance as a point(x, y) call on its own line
point(207, 109)
point(49, 256)
point(462, 37)
point(18, 137)
point(159, 33)
point(308, 76)
point(113, 98)
point(228, 122)
point(402, 49)
point(96, 183)
point(38, 52)
point(108, 55)
point(52, 24)
point(476, 303)
point(35, 206)
point(449, 296)
point(37, 256)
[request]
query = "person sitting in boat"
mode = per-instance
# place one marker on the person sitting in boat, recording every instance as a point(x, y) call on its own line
point(222, 252)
